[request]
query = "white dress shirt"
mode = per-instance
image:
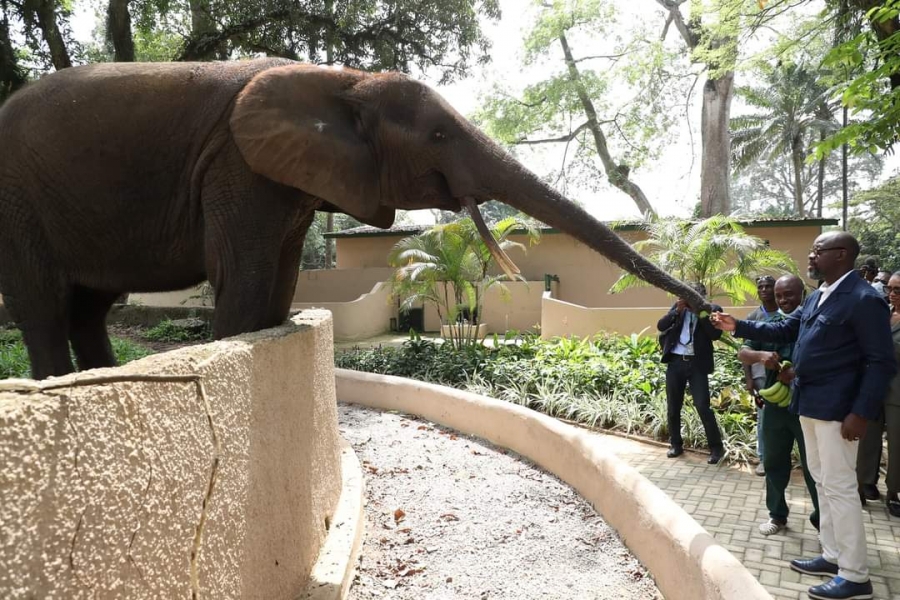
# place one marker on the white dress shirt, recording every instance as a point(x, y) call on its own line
point(828, 289)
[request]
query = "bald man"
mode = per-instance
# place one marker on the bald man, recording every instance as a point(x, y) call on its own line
point(844, 362)
point(780, 428)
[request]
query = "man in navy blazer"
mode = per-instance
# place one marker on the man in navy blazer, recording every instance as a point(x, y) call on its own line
point(843, 364)
point(688, 351)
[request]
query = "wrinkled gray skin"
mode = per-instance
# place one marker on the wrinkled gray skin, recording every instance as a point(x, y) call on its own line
point(151, 177)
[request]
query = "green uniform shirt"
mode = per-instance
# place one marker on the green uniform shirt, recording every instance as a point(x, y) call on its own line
point(785, 351)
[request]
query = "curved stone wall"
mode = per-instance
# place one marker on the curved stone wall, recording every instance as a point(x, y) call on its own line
point(206, 472)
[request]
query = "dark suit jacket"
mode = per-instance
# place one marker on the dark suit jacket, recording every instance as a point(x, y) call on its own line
point(704, 334)
point(843, 352)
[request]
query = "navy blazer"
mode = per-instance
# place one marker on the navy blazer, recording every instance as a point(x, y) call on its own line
point(843, 352)
point(704, 334)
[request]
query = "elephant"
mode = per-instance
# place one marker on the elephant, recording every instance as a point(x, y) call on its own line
point(146, 177)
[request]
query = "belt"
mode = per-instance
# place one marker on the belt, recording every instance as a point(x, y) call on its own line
point(684, 356)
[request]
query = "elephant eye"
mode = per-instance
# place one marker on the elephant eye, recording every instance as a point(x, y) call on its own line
point(438, 136)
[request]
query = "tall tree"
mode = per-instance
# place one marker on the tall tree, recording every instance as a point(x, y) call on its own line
point(713, 44)
point(619, 113)
point(867, 74)
point(791, 107)
point(12, 74)
point(44, 14)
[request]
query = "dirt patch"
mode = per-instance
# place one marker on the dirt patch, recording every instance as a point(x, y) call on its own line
point(450, 516)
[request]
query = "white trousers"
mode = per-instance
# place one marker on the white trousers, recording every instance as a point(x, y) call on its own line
point(832, 463)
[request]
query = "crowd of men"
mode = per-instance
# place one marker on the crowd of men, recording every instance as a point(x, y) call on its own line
point(835, 350)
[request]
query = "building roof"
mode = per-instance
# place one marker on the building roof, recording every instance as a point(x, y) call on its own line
point(407, 230)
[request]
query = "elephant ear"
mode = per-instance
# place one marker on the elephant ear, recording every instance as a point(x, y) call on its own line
point(294, 125)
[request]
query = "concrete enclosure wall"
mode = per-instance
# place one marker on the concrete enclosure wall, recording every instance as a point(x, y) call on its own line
point(364, 317)
point(562, 319)
point(131, 483)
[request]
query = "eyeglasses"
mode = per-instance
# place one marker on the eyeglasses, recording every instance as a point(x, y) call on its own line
point(819, 251)
point(893, 290)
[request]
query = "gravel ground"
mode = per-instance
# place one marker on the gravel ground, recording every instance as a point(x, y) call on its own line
point(450, 516)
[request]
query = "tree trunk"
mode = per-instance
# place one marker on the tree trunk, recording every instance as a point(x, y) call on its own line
point(617, 176)
point(118, 30)
point(329, 242)
point(820, 183)
point(45, 10)
point(797, 167)
point(845, 198)
point(715, 137)
point(329, 219)
point(715, 166)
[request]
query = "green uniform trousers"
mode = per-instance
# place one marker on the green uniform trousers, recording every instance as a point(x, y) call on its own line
point(780, 429)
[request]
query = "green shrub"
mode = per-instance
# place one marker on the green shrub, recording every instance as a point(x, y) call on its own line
point(14, 357)
point(613, 382)
point(179, 331)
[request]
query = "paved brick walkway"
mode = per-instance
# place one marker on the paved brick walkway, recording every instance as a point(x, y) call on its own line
point(729, 503)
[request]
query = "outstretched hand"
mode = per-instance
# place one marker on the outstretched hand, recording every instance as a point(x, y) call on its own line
point(723, 321)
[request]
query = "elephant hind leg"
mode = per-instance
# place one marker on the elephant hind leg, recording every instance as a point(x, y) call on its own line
point(43, 320)
point(87, 327)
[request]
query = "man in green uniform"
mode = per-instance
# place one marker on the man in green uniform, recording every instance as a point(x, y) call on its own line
point(779, 427)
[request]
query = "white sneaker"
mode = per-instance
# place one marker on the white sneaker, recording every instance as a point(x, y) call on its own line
point(771, 527)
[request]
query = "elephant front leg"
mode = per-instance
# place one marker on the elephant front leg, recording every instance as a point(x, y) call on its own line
point(288, 270)
point(250, 262)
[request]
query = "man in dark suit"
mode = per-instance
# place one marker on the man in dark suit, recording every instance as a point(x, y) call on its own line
point(688, 351)
point(843, 365)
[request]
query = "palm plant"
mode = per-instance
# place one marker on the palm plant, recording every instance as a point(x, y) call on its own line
point(790, 108)
point(448, 266)
point(715, 251)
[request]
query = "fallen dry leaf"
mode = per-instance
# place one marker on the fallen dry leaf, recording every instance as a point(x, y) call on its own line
point(399, 514)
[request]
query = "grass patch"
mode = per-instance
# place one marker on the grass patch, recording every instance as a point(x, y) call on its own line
point(14, 357)
point(610, 382)
point(183, 330)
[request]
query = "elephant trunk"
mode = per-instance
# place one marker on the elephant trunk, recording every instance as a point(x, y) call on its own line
point(520, 188)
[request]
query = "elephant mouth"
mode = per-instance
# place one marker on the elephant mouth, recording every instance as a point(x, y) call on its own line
point(505, 262)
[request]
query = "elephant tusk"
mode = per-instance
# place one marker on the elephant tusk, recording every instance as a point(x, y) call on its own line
point(505, 262)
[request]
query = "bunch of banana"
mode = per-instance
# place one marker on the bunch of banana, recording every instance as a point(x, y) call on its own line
point(778, 393)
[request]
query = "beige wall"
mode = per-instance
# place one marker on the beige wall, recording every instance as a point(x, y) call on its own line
point(561, 319)
point(339, 285)
point(188, 297)
point(585, 276)
point(104, 487)
point(364, 317)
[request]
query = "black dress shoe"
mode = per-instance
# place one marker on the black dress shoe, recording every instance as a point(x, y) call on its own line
point(893, 506)
point(869, 491)
point(714, 457)
point(675, 452)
